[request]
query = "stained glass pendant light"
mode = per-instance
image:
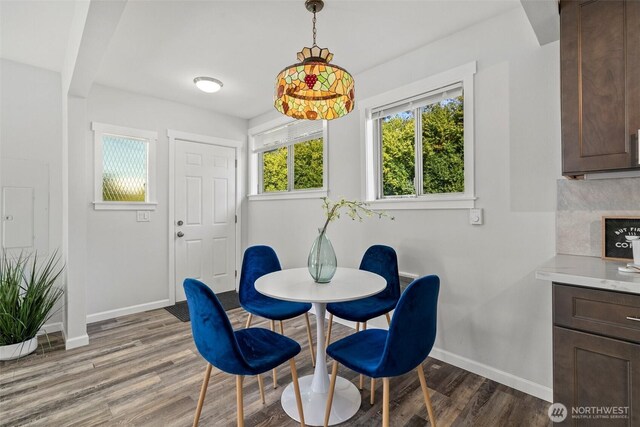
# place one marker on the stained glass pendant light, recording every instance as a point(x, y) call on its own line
point(314, 89)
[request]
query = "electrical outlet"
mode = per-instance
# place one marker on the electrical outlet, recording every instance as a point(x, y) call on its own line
point(476, 216)
point(143, 216)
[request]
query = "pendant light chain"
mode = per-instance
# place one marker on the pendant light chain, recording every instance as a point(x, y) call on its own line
point(314, 26)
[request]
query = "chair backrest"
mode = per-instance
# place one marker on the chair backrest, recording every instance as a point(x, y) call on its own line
point(257, 261)
point(413, 328)
point(212, 331)
point(382, 260)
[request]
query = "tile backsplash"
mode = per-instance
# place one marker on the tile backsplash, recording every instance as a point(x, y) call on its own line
point(581, 205)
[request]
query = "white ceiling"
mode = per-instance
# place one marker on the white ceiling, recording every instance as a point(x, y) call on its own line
point(160, 46)
point(35, 32)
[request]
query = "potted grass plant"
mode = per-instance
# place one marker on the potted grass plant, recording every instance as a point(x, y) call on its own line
point(28, 294)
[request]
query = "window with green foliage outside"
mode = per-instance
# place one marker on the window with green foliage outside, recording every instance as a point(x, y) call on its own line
point(443, 147)
point(398, 154)
point(306, 167)
point(307, 164)
point(432, 150)
point(275, 175)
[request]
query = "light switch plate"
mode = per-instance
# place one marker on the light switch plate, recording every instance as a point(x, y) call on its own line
point(476, 216)
point(143, 216)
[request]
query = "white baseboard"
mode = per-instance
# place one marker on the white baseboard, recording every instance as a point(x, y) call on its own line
point(510, 380)
point(50, 328)
point(76, 342)
point(411, 276)
point(110, 314)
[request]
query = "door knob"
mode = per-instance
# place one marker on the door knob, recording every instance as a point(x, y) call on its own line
point(180, 234)
point(180, 222)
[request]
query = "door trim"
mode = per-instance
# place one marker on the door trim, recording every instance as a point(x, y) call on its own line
point(175, 135)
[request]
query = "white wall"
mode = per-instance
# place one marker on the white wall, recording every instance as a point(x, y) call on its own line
point(494, 317)
point(74, 148)
point(127, 260)
point(31, 130)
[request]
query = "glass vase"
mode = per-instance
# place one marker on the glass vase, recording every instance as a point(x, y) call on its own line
point(322, 262)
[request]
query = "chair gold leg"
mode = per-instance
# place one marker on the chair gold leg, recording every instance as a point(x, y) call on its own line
point(385, 402)
point(332, 388)
point(274, 372)
point(239, 400)
point(281, 328)
point(427, 398)
point(373, 390)
point(313, 356)
point(296, 388)
point(388, 319)
point(249, 321)
point(203, 392)
point(364, 328)
point(357, 326)
point(261, 386)
point(328, 341)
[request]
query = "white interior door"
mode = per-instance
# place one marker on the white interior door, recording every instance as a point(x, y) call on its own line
point(205, 212)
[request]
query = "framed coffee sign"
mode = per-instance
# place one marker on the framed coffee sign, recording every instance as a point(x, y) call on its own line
point(617, 234)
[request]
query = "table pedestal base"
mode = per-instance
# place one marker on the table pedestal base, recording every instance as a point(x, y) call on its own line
point(346, 402)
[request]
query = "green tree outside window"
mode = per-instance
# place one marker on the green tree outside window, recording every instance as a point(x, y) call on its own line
point(274, 170)
point(307, 170)
point(308, 164)
point(442, 150)
point(398, 154)
point(443, 147)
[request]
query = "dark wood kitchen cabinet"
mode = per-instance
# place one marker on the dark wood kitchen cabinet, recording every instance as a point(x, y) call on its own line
point(596, 354)
point(600, 80)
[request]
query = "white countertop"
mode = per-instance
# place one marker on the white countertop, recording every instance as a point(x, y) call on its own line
point(589, 272)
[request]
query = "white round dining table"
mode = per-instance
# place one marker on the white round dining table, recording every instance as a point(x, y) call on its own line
point(296, 285)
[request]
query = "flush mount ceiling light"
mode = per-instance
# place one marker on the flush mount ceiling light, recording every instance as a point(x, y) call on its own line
point(208, 84)
point(313, 89)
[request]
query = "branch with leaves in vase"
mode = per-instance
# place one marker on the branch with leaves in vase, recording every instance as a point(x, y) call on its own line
point(322, 262)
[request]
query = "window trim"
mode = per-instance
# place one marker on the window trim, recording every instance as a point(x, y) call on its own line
point(372, 184)
point(255, 167)
point(100, 129)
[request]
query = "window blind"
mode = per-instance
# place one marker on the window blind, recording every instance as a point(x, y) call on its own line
point(291, 133)
point(418, 101)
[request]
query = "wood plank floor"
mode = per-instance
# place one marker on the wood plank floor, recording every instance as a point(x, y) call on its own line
point(144, 370)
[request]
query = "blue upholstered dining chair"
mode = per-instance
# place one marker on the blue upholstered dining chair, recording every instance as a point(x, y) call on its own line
point(258, 261)
point(250, 351)
point(381, 260)
point(379, 353)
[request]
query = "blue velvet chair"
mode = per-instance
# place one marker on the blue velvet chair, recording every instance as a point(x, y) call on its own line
point(377, 259)
point(379, 353)
point(250, 351)
point(258, 261)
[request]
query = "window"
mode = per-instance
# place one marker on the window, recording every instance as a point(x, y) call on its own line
point(124, 167)
point(290, 160)
point(419, 143)
point(275, 170)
